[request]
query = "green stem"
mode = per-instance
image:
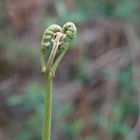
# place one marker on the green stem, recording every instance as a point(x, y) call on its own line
point(47, 109)
point(56, 44)
point(42, 64)
point(48, 91)
point(58, 60)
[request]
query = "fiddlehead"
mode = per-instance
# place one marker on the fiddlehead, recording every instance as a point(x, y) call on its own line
point(58, 40)
point(49, 34)
point(69, 29)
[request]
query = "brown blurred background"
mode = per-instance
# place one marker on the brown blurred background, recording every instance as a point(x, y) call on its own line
point(96, 92)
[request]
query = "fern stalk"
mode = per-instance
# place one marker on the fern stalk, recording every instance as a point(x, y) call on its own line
point(59, 39)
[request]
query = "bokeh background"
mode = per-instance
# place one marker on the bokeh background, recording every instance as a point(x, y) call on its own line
point(96, 92)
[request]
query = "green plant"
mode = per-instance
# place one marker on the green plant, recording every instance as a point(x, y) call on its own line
point(59, 39)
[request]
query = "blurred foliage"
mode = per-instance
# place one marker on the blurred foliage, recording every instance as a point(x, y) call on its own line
point(21, 26)
point(30, 102)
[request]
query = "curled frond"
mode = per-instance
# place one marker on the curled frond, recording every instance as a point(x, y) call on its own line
point(58, 40)
point(49, 34)
point(70, 30)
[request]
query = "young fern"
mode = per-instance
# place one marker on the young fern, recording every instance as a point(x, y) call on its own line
point(55, 40)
